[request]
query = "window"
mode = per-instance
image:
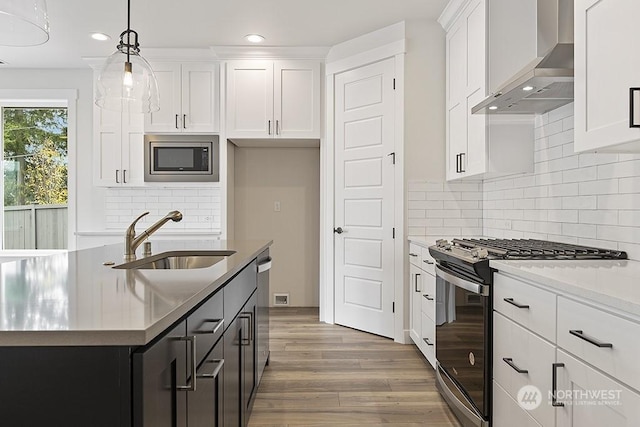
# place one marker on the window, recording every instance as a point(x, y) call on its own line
point(35, 175)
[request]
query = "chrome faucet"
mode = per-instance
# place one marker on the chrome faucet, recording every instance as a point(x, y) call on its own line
point(131, 242)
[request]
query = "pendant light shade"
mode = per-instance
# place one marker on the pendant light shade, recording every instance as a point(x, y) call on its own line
point(126, 80)
point(23, 22)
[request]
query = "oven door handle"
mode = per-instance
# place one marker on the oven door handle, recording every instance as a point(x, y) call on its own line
point(450, 277)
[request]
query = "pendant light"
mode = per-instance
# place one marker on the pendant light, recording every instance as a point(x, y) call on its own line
point(23, 22)
point(126, 79)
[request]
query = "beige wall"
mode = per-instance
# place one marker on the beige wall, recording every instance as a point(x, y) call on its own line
point(424, 101)
point(292, 177)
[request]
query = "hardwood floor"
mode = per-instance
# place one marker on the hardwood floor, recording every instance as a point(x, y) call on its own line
point(328, 375)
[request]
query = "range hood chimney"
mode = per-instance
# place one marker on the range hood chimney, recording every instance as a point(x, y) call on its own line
point(538, 33)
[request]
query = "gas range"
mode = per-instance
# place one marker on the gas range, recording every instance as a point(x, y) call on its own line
point(473, 255)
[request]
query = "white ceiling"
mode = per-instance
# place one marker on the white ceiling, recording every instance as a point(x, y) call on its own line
point(205, 23)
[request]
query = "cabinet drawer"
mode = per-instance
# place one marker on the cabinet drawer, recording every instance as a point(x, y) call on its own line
point(582, 328)
point(427, 263)
point(415, 253)
point(532, 307)
point(207, 324)
point(526, 352)
point(428, 295)
point(238, 291)
point(507, 412)
point(592, 399)
point(428, 345)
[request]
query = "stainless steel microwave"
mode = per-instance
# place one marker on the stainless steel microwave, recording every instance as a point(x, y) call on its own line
point(181, 158)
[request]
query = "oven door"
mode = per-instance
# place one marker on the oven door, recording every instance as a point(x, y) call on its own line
point(463, 345)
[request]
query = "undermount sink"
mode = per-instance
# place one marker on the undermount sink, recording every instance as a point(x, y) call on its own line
point(176, 260)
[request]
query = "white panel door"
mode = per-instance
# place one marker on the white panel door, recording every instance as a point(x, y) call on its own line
point(364, 194)
point(168, 118)
point(296, 90)
point(250, 99)
point(200, 109)
point(606, 68)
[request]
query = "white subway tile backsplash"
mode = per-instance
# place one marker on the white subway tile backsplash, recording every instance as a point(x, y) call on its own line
point(201, 207)
point(619, 170)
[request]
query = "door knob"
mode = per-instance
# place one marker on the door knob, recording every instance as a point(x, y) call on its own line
point(338, 230)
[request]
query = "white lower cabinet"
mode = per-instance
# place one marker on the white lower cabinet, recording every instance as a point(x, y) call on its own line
point(422, 295)
point(587, 359)
point(592, 399)
point(507, 412)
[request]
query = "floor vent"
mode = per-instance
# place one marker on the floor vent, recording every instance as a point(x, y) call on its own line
point(280, 299)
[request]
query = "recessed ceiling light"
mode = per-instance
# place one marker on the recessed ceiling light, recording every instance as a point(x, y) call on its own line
point(527, 88)
point(493, 107)
point(100, 36)
point(254, 38)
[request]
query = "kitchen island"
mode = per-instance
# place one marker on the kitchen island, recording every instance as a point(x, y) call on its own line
point(82, 343)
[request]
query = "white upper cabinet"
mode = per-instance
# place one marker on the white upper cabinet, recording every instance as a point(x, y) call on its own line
point(273, 99)
point(189, 98)
point(607, 67)
point(118, 148)
point(477, 145)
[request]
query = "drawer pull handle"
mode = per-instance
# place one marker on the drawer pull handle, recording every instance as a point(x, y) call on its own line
point(219, 364)
point(192, 385)
point(509, 361)
point(426, 340)
point(554, 384)
point(512, 302)
point(590, 340)
point(412, 254)
point(427, 297)
point(426, 261)
point(216, 328)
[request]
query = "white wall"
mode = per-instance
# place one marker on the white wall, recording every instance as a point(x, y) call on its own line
point(424, 101)
point(290, 176)
point(90, 200)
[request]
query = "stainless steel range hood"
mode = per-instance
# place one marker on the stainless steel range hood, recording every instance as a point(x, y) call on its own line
point(534, 40)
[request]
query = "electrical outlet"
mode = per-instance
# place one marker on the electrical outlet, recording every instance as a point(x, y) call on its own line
point(276, 206)
point(208, 218)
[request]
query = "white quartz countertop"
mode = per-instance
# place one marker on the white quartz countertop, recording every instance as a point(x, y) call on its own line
point(614, 283)
point(72, 299)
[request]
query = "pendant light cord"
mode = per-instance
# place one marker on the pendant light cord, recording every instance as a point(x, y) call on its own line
point(128, 28)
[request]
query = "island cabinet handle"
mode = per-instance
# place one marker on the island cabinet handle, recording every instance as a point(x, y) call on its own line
point(509, 361)
point(512, 302)
point(191, 386)
point(216, 327)
point(264, 266)
point(219, 363)
point(582, 336)
point(248, 316)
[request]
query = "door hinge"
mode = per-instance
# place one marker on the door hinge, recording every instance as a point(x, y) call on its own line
point(393, 157)
point(393, 307)
point(393, 232)
point(394, 84)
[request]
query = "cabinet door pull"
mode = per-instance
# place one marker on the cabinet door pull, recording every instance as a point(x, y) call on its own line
point(277, 127)
point(462, 170)
point(427, 261)
point(512, 302)
point(219, 364)
point(117, 176)
point(124, 176)
point(265, 265)
point(269, 126)
point(192, 385)
point(216, 327)
point(509, 361)
point(554, 384)
point(184, 121)
point(428, 297)
point(416, 287)
point(247, 315)
point(412, 254)
point(177, 127)
point(457, 163)
point(634, 98)
point(582, 336)
point(426, 340)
